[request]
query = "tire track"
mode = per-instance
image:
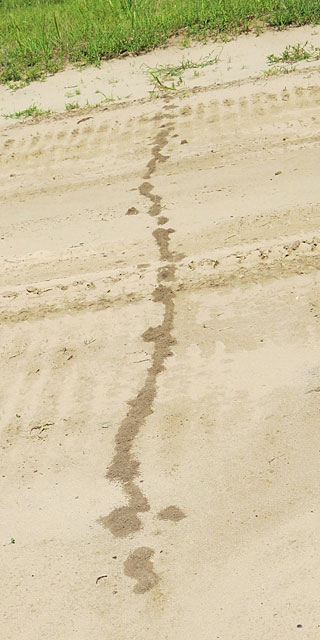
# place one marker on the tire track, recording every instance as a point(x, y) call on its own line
point(233, 265)
point(65, 144)
point(124, 469)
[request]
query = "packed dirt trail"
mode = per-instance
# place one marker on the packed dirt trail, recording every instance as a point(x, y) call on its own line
point(160, 376)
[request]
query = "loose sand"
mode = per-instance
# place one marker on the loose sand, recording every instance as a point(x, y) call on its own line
point(160, 371)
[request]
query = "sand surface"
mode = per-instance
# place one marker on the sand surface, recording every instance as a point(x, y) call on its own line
point(160, 368)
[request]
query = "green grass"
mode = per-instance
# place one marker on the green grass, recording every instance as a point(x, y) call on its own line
point(70, 106)
point(38, 37)
point(31, 112)
point(296, 53)
point(167, 77)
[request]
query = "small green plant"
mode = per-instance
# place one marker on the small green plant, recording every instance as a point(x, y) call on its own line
point(278, 70)
point(71, 94)
point(185, 41)
point(70, 106)
point(295, 53)
point(16, 85)
point(105, 97)
point(12, 541)
point(31, 112)
point(169, 77)
point(158, 83)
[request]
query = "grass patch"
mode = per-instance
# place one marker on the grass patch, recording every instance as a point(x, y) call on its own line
point(75, 106)
point(169, 77)
point(31, 112)
point(70, 106)
point(277, 71)
point(38, 37)
point(296, 53)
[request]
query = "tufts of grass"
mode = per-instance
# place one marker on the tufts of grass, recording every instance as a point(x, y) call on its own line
point(31, 112)
point(105, 97)
point(296, 53)
point(70, 106)
point(38, 37)
point(168, 77)
point(277, 71)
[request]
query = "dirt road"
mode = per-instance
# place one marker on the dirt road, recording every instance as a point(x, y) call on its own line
point(160, 377)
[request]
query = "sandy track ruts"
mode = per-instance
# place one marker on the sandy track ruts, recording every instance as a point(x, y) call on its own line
point(242, 266)
point(143, 252)
point(289, 118)
point(62, 140)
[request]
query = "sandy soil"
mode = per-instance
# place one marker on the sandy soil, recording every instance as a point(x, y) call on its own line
point(160, 378)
